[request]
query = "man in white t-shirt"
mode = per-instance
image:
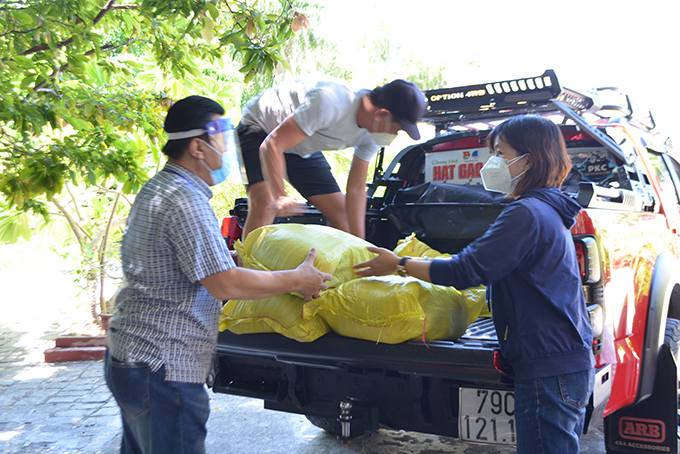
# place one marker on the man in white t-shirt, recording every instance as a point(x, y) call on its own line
point(284, 130)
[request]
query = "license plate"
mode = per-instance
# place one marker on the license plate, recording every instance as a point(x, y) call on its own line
point(487, 416)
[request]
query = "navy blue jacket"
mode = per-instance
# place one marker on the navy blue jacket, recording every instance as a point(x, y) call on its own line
point(528, 263)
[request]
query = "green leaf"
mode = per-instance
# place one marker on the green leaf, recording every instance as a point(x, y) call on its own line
point(150, 130)
point(260, 23)
point(24, 61)
point(193, 71)
point(285, 64)
point(128, 21)
point(249, 76)
point(91, 177)
point(18, 199)
point(14, 225)
point(252, 63)
point(213, 10)
point(25, 19)
point(27, 81)
point(208, 23)
point(75, 64)
point(79, 124)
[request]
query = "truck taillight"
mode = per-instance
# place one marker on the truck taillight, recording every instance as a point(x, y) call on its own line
point(588, 257)
point(231, 230)
point(581, 259)
point(590, 268)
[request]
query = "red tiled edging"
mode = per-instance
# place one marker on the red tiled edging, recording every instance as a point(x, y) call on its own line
point(80, 341)
point(55, 355)
point(76, 348)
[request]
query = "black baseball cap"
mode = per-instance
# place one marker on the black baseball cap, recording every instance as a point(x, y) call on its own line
point(406, 103)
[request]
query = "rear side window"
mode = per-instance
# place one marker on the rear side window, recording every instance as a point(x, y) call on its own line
point(667, 171)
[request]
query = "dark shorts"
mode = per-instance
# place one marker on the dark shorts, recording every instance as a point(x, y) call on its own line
point(310, 176)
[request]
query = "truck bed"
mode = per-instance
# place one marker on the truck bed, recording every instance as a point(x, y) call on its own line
point(413, 385)
point(466, 357)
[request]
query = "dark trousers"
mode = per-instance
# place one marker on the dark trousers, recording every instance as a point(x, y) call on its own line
point(158, 416)
point(550, 412)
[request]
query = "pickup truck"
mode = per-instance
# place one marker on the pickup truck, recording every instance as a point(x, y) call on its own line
point(627, 243)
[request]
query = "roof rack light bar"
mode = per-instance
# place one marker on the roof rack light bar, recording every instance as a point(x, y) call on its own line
point(449, 104)
point(507, 92)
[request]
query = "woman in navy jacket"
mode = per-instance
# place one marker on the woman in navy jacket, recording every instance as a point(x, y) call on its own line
point(528, 263)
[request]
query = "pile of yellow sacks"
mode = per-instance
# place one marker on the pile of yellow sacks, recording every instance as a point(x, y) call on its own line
point(388, 309)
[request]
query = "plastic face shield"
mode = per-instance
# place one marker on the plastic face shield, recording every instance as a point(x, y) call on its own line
point(222, 133)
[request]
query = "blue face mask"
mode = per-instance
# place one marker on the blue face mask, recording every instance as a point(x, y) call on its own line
point(220, 131)
point(219, 175)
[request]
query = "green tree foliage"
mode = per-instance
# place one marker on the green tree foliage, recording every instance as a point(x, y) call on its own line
point(70, 109)
point(84, 86)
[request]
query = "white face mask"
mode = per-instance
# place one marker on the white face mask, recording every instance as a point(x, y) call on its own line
point(496, 175)
point(383, 139)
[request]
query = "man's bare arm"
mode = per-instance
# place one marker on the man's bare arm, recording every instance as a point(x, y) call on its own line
point(284, 137)
point(356, 197)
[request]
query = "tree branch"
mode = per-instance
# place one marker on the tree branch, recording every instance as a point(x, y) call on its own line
point(106, 48)
point(45, 46)
point(106, 9)
point(18, 32)
point(105, 233)
point(103, 11)
point(71, 222)
point(75, 205)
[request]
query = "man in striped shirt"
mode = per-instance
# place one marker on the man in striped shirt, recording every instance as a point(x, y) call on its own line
point(178, 270)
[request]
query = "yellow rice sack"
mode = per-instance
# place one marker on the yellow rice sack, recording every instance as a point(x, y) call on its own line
point(388, 309)
point(285, 246)
point(448, 311)
point(479, 293)
point(381, 309)
point(277, 314)
point(392, 309)
point(413, 247)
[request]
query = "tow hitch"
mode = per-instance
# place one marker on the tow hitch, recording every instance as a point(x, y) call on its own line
point(356, 417)
point(345, 420)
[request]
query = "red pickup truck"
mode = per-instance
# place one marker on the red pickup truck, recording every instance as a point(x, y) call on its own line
point(628, 182)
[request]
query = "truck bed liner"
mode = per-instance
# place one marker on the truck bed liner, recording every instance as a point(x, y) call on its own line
point(473, 349)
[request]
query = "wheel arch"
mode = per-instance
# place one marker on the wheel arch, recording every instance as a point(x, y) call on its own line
point(664, 302)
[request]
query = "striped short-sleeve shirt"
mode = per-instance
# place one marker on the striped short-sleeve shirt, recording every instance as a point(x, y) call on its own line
point(164, 316)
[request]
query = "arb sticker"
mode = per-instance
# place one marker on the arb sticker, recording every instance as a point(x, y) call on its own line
point(649, 430)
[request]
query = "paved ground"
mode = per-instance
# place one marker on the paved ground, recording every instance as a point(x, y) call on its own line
point(66, 408)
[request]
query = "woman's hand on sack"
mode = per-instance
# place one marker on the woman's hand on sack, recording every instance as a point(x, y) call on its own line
point(385, 263)
point(312, 280)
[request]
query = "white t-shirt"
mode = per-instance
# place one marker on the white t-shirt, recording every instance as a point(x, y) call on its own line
point(324, 108)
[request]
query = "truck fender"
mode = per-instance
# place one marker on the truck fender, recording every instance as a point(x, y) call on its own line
point(664, 299)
